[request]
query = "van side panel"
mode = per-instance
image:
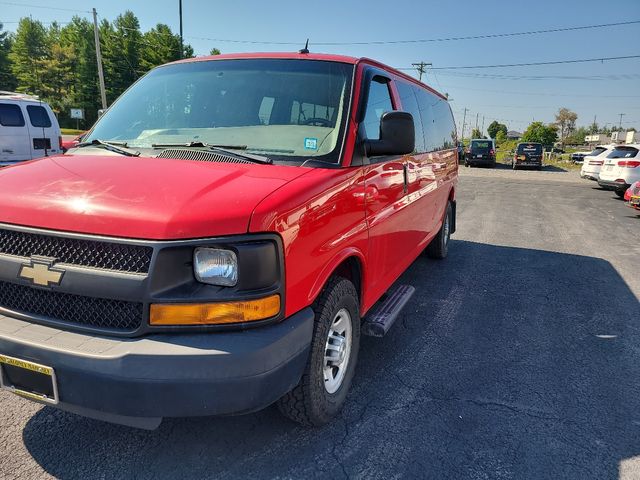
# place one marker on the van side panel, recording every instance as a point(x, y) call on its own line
point(14, 136)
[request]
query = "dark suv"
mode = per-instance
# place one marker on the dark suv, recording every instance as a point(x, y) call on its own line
point(528, 155)
point(481, 152)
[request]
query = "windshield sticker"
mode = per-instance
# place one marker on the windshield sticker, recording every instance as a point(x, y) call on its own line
point(311, 143)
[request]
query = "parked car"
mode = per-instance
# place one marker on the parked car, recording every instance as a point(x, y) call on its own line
point(222, 238)
point(632, 195)
point(68, 144)
point(528, 154)
point(578, 157)
point(621, 168)
point(460, 152)
point(28, 129)
point(592, 163)
point(481, 151)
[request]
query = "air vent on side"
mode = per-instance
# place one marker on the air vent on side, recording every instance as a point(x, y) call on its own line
point(199, 156)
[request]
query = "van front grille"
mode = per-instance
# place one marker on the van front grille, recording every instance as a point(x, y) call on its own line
point(81, 310)
point(75, 251)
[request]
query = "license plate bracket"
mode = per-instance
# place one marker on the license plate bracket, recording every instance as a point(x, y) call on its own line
point(28, 379)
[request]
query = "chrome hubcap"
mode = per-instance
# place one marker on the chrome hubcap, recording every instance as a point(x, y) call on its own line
point(337, 351)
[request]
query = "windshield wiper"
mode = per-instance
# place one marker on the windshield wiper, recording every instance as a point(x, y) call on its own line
point(228, 149)
point(111, 146)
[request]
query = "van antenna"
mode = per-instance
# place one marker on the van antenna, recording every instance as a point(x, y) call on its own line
point(306, 47)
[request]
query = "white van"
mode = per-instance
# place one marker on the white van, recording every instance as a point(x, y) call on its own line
point(28, 129)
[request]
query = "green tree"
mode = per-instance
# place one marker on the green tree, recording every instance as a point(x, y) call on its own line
point(495, 127)
point(541, 133)
point(121, 53)
point(577, 136)
point(476, 133)
point(566, 121)
point(214, 51)
point(78, 34)
point(7, 79)
point(501, 137)
point(159, 45)
point(28, 48)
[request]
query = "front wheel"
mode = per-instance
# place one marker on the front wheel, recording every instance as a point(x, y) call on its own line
point(439, 246)
point(332, 359)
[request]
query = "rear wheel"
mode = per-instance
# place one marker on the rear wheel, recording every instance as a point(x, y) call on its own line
point(332, 359)
point(439, 246)
point(620, 193)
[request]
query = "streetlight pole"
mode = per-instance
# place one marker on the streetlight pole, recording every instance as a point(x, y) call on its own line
point(103, 94)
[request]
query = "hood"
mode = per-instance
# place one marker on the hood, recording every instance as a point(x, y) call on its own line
point(145, 198)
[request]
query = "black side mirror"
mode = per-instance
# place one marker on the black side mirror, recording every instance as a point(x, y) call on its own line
point(397, 135)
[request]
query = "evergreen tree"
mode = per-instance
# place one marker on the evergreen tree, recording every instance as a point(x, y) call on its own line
point(7, 79)
point(28, 48)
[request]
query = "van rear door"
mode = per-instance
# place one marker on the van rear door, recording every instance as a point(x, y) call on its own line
point(43, 129)
point(14, 134)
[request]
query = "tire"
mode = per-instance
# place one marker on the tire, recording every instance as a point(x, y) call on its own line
point(620, 193)
point(439, 246)
point(316, 400)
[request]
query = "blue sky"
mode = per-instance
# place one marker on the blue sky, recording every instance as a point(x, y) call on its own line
point(511, 99)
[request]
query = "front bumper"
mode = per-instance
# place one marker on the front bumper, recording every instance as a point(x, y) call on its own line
point(138, 381)
point(612, 185)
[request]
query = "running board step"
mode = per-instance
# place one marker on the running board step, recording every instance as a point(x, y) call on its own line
point(379, 321)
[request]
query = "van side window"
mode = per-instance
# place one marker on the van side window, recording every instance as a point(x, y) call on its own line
point(410, 105)
point(38, 116)
point(440, 131)
point(11, 115)
point(379, 101)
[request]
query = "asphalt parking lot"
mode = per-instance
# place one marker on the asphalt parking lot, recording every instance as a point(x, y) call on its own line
point(519, 357)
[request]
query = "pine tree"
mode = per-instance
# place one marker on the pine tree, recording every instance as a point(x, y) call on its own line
point(7, 79)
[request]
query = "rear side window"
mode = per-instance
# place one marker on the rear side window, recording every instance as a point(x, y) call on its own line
point(410, 104)
point(623, 152)
point(11, 115)
point(379, 101)
point(597, 151)
point(38, 116)
point(440, 131)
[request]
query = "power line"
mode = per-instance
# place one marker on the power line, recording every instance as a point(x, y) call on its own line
point(428, 40)
point(48, 7)
point(531, 64)
point(622, 76)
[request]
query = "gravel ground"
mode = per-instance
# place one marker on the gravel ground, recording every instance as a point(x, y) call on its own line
point(518, 357)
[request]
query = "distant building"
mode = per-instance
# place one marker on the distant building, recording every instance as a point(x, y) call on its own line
point(599, 138)
point(513, 135)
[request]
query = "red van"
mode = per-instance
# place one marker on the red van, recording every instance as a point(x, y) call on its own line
point(222, 237)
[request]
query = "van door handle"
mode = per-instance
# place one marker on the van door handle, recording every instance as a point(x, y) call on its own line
point(405, 173)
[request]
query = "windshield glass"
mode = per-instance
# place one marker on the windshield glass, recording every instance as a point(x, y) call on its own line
point(287, 110)
point(530, 148)
point(481, 146)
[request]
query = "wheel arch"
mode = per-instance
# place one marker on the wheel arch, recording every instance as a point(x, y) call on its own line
point(349, 264)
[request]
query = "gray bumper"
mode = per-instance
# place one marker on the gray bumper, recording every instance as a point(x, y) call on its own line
point(166, 375)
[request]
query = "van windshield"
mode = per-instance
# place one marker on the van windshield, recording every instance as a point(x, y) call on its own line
point(529, 148)
point(286, 110)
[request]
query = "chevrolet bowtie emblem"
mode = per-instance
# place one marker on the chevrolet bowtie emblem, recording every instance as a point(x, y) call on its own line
point(41, 272)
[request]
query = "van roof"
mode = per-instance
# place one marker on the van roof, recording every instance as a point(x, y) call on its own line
point(327, 57)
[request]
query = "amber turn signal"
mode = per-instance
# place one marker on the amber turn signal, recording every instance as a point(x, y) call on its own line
point(214, 313)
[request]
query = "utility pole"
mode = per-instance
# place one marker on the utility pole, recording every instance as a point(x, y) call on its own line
point(103, 93)
point(482, 131)
point(181, 39)
point(464, 119)
point(477, 115)
point(620, 124)
point(421, 67)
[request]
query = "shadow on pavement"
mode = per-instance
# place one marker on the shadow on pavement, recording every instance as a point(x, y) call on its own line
point(507, 363)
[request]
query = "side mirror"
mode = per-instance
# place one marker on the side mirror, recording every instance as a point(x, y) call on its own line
point(397, 135)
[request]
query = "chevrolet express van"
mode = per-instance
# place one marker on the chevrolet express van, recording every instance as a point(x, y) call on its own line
point(222, 237)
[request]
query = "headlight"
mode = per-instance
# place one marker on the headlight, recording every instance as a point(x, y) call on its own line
point(216, 266)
